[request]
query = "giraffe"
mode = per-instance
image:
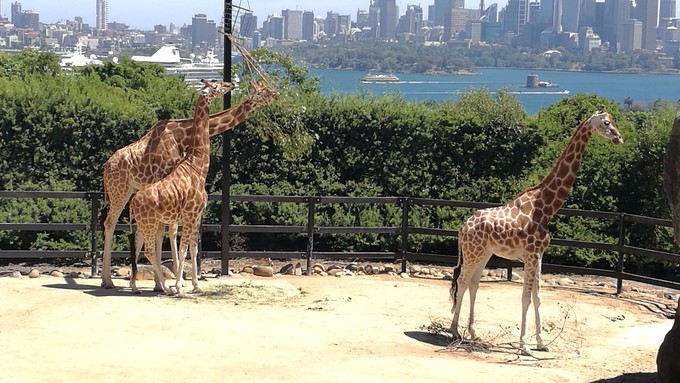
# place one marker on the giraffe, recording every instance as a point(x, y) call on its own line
point(518, 230)
point(180, 197)
point(153, 157)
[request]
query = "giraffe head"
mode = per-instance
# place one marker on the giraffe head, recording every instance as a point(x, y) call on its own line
point(603, 123)
point(213, 89)
point(263, 94)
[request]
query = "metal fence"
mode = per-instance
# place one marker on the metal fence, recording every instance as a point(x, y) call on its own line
point(312, 230)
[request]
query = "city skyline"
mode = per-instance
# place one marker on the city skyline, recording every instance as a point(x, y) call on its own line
point(148, 13)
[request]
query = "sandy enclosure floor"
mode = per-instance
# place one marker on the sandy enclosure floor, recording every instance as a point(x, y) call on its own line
point(312, 329)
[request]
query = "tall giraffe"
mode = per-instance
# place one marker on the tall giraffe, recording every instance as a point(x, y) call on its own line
point(180, 197)
point(518, 230)
point(153, 157)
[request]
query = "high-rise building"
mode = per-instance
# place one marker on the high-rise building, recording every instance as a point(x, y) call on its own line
point(308, 26)
point(588, 12)
point(203, 31)
point(458, 4)
point(275, 27)
point(616, 12)
point(248, 24)
point(515, 16)
point(292, 24)
point(647, 11)
point(412, 20)
point(388, 19)
point(331, 24)
point(667, 9)
point(102, 14)
point(442, 11)
point(631, 39)
point(16, 13)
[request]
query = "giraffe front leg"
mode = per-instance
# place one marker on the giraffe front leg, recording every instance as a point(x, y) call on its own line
point(194, 268)
point(180, 264)
point(537, 304)
point(526, 300)
point(173, 247)
point(474, 286)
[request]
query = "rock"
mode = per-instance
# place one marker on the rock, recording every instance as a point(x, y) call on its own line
point(17, 274)
point(333, 267)
point(146, 273)
point(320, 266)
point(414, 269)
point(668, 357)
point(34, 273)
point(389, 269)
point(485, 272)
point(405, 275)
point(123, 272)
point(298, 269)
point(247, 269)
point(424, 270)
point(340, 274)
point(334, 272)
point(353, 267)
point(263, 271)
point(517, 278)
point(368, 269)
point(565, 282)
point(287, 269)
point(57, 274)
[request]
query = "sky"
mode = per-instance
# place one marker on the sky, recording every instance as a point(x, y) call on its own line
point(144, 14)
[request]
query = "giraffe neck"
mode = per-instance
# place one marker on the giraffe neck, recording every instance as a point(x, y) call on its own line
point(555, 187)
point(198, 150)
point(230, 118)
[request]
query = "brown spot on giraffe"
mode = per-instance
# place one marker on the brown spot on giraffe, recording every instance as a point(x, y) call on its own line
point(527, 234)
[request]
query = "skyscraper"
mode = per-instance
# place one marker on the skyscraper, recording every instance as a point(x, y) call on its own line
point(515, 16)
point(647, 11)
point(388, 19)
point(308, 26)
point(292, 24)
point(16, 13)
point(616, 12)
point(203, 31)
point(102, 14)
point(667, 9)
point(248, 24)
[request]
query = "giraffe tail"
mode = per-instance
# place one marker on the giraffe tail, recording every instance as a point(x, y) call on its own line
point(456, 274)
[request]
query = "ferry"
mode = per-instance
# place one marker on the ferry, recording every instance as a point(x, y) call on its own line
point(382, 78)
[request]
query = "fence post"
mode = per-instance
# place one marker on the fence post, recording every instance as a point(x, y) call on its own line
point(622, 242)
point(311, 210)
point(405, 204)
point(94, 223)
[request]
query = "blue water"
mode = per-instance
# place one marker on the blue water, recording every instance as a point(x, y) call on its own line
point(420, 87)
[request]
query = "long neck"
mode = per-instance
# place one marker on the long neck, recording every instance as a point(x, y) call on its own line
point(198, 151)
point(230, 118)
point(555, 187)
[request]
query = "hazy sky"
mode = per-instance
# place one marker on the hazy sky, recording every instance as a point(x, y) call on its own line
point(144, 14)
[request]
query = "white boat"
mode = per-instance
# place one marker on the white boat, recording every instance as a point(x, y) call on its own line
point(76, 58)
point(383, 78)
point(167, 55)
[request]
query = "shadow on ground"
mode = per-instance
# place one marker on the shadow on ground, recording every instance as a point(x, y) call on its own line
point(636, 377)
point(429, 338)
point(95, 291)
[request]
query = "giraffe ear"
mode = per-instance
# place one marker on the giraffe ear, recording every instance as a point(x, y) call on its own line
point(603, 109)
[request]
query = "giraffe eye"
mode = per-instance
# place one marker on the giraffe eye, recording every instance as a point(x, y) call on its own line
point(607, 123)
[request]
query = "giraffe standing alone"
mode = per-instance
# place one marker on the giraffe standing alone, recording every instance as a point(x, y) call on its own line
point(153, 157)
point(180, 197)
point(518, 230)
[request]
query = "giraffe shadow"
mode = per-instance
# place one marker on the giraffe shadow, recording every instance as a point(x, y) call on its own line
point(636, 377)
point(95, 291)
point(429, 338)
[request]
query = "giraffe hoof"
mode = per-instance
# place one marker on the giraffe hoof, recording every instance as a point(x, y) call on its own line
point(196, 290)
point(542, 348)
point(107, 285)
point(136, 292)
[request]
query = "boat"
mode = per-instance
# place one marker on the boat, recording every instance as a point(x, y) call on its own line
point(76, 58)
point(381, 78)
point(167, 56)
point(534, 82)
point(520, 92)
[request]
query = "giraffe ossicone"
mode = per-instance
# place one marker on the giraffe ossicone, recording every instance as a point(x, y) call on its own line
point(518, 230)
point(153, 157)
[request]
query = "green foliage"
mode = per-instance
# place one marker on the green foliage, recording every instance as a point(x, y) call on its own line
point(28, 63)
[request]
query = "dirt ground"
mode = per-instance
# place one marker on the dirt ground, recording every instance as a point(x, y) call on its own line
point(377, 328)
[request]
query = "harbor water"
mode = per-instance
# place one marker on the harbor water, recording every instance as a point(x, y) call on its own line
point(645, 88)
